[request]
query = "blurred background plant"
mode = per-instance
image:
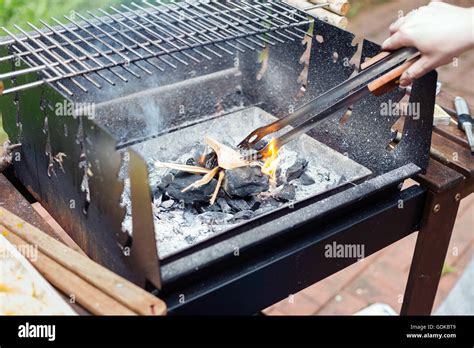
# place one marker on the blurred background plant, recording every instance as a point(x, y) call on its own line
point(22, 11)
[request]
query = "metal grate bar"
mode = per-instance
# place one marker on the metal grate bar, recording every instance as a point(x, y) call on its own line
point(180, 36)
point(236, 12)
point(99, 52)
point(92, 58)
point(40, 58)
point(211, 29)
point(146, 34)
point(274, 16)
point(52, 57)
point(180, 31)
point(128, 37)
point(205, 31)
point(126, 59)
point(67, 53)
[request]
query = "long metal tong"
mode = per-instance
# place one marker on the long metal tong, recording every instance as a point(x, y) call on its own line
point(379, 75)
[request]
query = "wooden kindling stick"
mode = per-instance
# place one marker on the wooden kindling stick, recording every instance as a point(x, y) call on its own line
point(340, 7)
point(390, 80)
point(117, 288)
point(88, 296)
point(320, 13)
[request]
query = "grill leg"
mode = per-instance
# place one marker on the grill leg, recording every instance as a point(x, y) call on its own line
point(430, 251)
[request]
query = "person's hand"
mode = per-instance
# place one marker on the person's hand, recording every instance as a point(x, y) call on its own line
point(439, 31)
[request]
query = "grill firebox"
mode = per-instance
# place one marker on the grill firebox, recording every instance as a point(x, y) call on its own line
point(134, 74)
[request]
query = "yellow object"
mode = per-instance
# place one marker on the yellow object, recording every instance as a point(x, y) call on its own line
point(440, 117)
point(22, 289)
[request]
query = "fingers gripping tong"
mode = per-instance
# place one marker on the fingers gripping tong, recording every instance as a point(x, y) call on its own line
point(379, 75)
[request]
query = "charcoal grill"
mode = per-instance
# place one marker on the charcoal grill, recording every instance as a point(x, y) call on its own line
point(144, 70)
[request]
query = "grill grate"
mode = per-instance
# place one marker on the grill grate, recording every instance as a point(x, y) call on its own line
point(141, 38)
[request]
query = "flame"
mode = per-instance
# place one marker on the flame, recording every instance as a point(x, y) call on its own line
point(271, 162)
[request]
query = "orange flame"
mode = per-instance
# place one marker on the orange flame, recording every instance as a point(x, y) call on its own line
point(271, 162)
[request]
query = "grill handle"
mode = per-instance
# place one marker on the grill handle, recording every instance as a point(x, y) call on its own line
point(390, 80)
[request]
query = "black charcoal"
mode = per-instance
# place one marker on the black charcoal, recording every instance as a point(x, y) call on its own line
point(215, 218)
point(263, 210)
point(203, 156)
point(306, 180)
point(202, 208)
point(245, 181)
point(183, 180)
point(284, 193)
point(244, 215)
point(238, 204)
point(269, 202)
point(253, 203)
point(225, 207)
point(296, 169)
point(165, 181)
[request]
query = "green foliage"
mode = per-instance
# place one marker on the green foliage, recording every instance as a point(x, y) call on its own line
point(22, 11)
point(3, 135)
point(447, 269)
point(358, 6)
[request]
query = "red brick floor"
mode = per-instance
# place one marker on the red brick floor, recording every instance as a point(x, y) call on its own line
point(382, 277)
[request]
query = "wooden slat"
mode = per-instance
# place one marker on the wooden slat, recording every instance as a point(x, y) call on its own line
point(438, 177)
point(119, 288)
point(12, 200)
point(85, 294)
point(455, 156)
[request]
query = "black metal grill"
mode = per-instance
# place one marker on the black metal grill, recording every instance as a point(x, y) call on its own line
point(209, 60)
point(147, 36)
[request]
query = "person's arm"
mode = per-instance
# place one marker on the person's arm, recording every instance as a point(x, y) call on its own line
point(439, 31)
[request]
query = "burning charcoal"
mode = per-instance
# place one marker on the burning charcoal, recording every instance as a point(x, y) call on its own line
point(244, 215)
point(296, 169)
point(285, 193)
point(245, 181)
point(183, 180)
point(238, 204)
point(167, 204)
point(203, 156)
point(225, 207)
point(213, 217)
point(305, 179)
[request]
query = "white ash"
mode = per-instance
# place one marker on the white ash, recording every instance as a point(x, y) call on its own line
point(178, 226)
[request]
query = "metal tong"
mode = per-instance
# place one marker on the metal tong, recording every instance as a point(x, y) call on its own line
point(379, 75)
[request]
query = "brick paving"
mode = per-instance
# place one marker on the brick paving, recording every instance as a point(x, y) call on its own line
point(382, 276)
